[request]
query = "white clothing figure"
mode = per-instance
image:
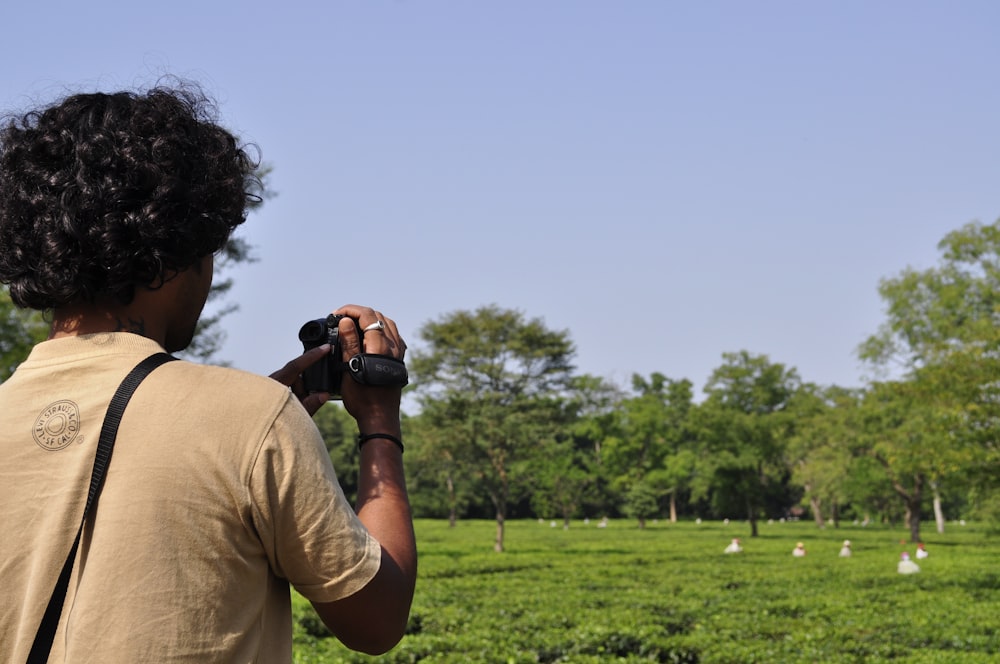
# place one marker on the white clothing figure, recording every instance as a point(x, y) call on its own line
point(845, 550)
point(921, 551)
point(799, 551)
point(734, 546)
point(905, 565)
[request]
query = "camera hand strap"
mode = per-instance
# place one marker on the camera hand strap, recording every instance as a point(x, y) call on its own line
point(373, 369)
point(105, 445)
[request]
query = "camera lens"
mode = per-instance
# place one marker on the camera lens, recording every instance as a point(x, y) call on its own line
point(314, 330)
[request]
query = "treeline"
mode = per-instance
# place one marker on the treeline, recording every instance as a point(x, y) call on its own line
point(505, 428)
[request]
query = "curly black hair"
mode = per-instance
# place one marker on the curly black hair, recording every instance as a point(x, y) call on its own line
point(101, 193)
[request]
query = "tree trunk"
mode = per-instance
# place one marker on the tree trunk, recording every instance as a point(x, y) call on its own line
point(835, 512)
point(913, 509)
point(938, 512)
point(452, 503)
point(814, 505)
point(912, 500)
point(673, 507)
point(752, 517)
point(499, 497)
point(915, 524)
point(498, 544)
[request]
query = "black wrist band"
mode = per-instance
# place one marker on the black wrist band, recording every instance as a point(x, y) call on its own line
point(365, 437)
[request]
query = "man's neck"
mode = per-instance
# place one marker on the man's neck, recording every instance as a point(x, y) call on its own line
point(166, 312)
point(79, 320)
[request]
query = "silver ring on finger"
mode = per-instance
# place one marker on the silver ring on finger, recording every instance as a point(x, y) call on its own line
point(377, 325)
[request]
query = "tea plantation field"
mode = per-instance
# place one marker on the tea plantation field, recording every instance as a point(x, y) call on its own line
point(668, 594)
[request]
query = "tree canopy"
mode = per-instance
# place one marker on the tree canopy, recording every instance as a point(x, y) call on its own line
point(508, 428)
point(490, 384)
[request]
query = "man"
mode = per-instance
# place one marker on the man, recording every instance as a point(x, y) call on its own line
point(220, 492)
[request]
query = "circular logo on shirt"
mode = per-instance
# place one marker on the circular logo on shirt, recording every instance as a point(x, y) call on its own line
point(57, 425)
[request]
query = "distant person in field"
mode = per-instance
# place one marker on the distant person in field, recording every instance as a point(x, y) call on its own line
point(220, 494)
point(799, 551)
point(922, 551)
point(905, 565)
point(734, 546)
point(845, 549)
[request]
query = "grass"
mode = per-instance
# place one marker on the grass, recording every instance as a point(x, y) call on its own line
point(668, 594)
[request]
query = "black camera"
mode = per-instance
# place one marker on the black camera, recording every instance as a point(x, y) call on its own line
point(366, 368)
point(327, 374)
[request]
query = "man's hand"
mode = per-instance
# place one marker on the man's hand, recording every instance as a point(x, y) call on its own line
point(291, 375)
point(376, 408)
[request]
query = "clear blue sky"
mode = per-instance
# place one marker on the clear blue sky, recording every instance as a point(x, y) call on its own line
point(668, 181)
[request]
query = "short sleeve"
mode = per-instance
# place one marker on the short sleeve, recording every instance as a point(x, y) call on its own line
point(310, 533)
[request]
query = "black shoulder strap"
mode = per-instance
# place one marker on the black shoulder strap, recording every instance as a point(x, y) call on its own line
point(105, 445)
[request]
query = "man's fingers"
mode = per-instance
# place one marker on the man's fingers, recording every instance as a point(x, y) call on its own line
point(396, 343)
point(313, 402)
point(350, 340)
point(288, 374)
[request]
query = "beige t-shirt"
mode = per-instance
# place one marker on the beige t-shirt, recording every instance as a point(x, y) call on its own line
point(219, 494)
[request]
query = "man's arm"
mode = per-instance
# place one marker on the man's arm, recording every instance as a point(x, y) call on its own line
point(374, 619)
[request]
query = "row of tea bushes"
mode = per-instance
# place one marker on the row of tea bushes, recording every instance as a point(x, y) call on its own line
point(667, 593)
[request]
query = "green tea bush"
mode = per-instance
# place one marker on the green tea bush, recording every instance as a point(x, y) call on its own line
point(667, 593)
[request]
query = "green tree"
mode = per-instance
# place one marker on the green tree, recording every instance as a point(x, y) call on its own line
point(19, 330)
point(653, 449)
point(641, 502)
point(935, 312)
point(960, 398)
point(680, 463)
point(744, 428)
point(596, 420)
point(821, 447)
point(495, 384)
point(559, 479)
point(438, 471)
point(899, 435)
point(942, 333)
point(339, 431)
